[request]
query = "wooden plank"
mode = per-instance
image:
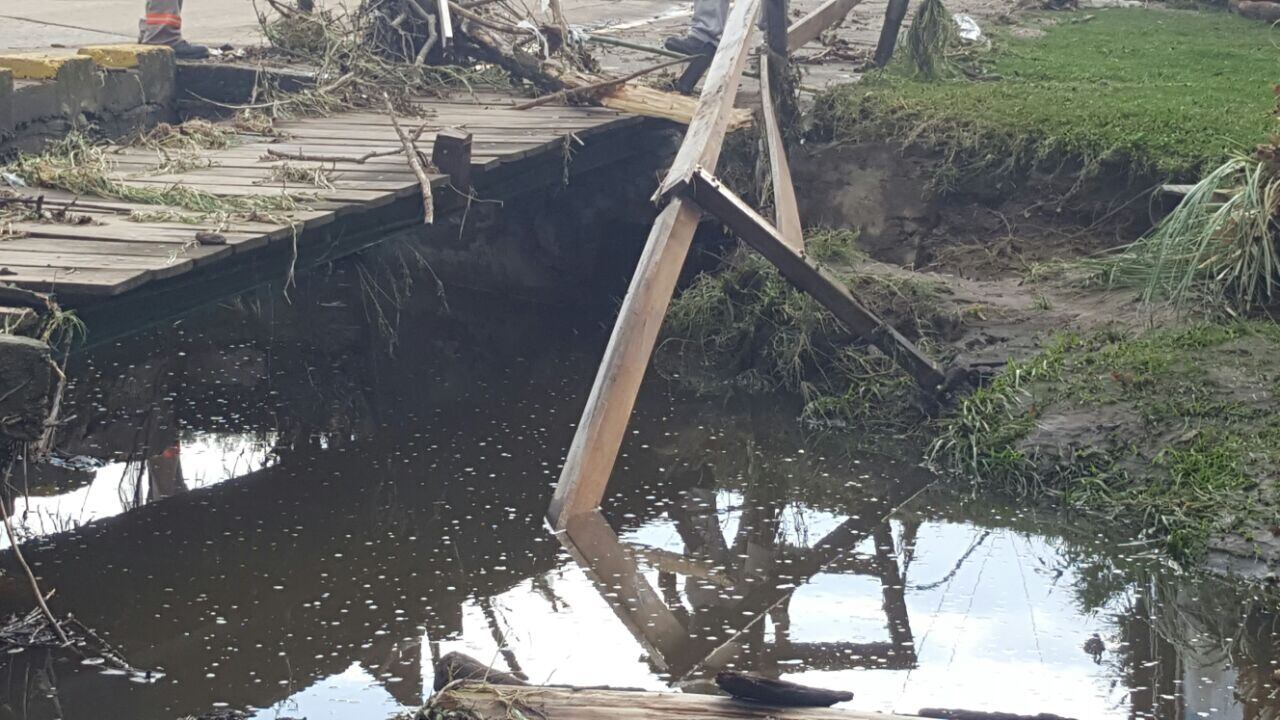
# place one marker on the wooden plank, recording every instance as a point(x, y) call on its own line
point(496, 702)
point(651, 102)
point(109, 236)
point(198, 254)
point(827, 15)
point(176, 264)
point(604, 421)
point(786, 211)
point(710, 121)
point(755, 231)
point(77, 281)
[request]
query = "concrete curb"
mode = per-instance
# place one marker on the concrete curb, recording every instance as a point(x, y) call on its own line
point(116, 89)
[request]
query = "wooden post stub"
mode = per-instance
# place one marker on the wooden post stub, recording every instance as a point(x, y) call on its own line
point(893, 17)
point(451, 154)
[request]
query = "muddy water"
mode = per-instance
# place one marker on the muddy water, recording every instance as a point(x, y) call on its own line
point(276, 508)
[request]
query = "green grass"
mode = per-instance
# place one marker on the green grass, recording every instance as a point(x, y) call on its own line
point(1158, 94)
point(1187, 437)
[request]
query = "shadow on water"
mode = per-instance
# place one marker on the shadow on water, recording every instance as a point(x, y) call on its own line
point(271, 511)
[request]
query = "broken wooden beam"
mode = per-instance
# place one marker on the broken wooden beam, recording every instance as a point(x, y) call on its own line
point(786, 210)
point(595, 445)
point(705, 137)
point(604, 421)
point(755, 231)
point(810, 27)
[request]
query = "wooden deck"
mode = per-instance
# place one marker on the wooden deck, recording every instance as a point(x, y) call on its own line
point(114, 256)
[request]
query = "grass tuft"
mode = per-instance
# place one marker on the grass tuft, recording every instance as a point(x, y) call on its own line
point(1216, 250)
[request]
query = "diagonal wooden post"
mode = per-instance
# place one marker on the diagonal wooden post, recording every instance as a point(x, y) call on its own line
point(755, 231)
point(786, 210)
point(604, 421)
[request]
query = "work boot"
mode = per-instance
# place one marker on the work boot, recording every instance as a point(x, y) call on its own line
point(184, 50)
point(689, 45)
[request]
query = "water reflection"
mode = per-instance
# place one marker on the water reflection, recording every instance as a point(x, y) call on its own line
point(287, 519)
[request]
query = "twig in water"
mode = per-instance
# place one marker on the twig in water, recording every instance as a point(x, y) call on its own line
point(563, 94)
point(31, 576)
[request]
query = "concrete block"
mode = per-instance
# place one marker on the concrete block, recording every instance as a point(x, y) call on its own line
point(158, 72)
point(26, 387)
point(36, 66)
point(122, 90)
point(123, 56)
point(35, 100)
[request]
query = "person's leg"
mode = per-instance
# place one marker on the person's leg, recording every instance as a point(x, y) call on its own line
point(708, 20)
point(162, 23)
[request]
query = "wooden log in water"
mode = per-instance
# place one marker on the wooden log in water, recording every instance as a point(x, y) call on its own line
point(486, 702)
point(770, 691)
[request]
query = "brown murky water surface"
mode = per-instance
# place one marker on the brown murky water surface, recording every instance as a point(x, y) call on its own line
point(271, 507)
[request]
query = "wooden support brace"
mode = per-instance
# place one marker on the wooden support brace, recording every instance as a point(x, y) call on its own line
point(827, 15)
point(613, 395)
point(451, 154)
point(755, 231)
point(786, 211)
point(894, 14)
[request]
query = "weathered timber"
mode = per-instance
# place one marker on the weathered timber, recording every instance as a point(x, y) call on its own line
point(808, 28)
point(451, 154)
point(604, 421)
point(893, 17)
point(613, 394)
point(756, 232)
point(705, 137)
point(456, 666)
point(786, 210)
point(771, 691)
point(494, 702)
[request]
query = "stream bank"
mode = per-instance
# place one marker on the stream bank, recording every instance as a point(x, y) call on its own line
point(971, 213)
point(287, 516)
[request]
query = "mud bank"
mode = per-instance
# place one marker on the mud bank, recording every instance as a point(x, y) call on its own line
point(1090, 399)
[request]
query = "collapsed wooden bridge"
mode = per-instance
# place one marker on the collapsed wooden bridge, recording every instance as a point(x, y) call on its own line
point(131, 263)
point(689, 190)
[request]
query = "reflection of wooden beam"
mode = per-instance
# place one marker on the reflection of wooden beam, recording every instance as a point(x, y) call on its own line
point(701, 146)
point(843, 656)
point(667, 561)
point(828, 14)
point(604, 421)
point(595, 547)
point(786, 212)
point(755, 231)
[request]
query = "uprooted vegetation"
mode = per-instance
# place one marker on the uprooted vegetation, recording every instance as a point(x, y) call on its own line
point(1144, 95)
point(745, 328)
